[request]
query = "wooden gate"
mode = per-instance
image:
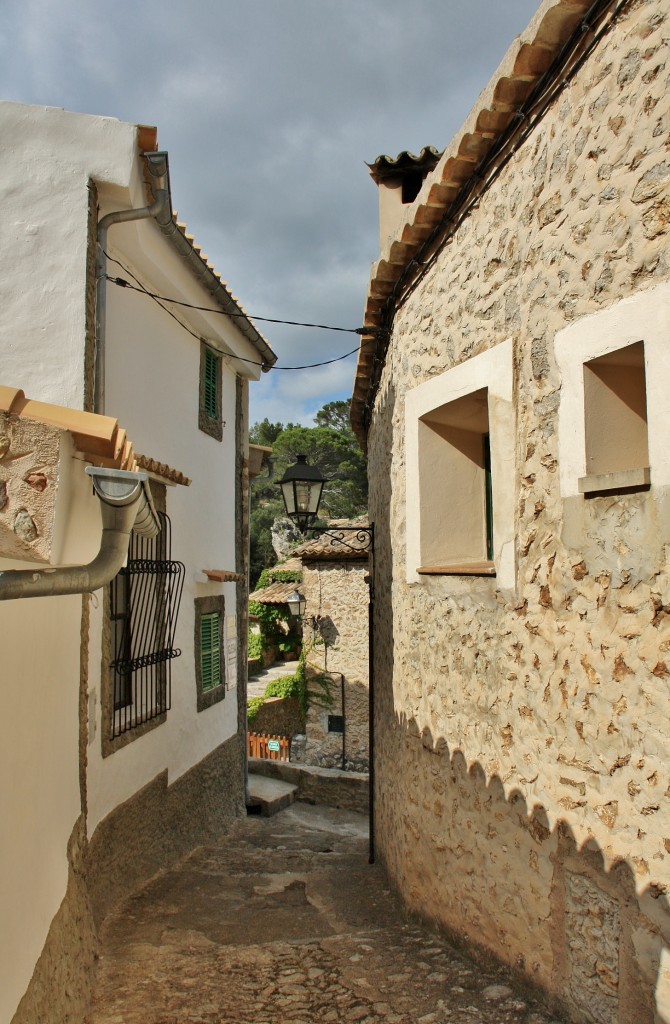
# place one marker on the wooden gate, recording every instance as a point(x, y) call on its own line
point(271, 748)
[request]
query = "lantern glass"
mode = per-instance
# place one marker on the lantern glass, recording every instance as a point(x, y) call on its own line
point(301, 488)
point(296, 604)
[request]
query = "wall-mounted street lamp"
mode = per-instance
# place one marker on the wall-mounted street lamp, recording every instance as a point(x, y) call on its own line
point(296, 605)
point(301, 487)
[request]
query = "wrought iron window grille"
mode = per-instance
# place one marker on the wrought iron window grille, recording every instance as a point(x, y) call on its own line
point(144, 606)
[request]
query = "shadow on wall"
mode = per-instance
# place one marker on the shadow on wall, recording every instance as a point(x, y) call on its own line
point(496, 874)
point(327, 635)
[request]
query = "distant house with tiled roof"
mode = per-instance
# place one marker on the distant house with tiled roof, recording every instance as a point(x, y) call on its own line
point(333, 573)
point(122, 715)
point(335, 584)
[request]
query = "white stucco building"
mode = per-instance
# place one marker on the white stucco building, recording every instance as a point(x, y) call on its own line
point(119, 748)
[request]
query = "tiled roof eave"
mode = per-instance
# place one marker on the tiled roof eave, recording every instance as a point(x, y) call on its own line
point(163, 471)
point(100, 439)
point(528, 58)
point(275, 593)
point(176, 232)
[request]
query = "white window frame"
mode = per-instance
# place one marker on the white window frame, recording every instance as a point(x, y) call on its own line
point(643, 317)
point(492, 370)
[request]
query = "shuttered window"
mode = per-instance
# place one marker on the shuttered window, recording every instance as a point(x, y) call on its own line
point(210, 383)
point(210, 650)
point(210, 393)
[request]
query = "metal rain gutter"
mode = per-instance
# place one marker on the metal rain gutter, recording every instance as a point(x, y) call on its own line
point(125, 503)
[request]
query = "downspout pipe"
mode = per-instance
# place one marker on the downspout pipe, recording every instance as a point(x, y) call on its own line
point(125, 502)
point(161, 210)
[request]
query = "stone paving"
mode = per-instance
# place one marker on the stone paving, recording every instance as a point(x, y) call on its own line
point(285, 922)
point(256, 685)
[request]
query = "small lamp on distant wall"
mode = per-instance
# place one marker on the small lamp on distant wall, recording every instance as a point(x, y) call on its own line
point(296, 604)
point(301, 488)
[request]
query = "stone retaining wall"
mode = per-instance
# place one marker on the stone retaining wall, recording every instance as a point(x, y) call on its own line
point(348, 790)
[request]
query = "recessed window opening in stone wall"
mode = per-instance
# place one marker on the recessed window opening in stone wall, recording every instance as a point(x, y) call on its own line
point(460, 452)
point(615, 379)
point(615, 412)
point(455, 498)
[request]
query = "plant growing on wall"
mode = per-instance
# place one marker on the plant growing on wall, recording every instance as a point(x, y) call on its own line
point(277, 627)
point(254, 646)
point(313, 692)
point(253, 707)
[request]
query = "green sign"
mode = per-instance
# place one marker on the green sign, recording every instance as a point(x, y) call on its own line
point(273, 746)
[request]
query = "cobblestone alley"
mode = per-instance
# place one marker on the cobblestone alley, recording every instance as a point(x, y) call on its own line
point(285, 921)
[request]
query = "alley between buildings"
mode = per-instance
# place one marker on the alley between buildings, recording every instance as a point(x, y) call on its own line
point(285, 922)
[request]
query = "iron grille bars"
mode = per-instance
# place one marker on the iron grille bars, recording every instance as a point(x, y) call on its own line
point(144, 605)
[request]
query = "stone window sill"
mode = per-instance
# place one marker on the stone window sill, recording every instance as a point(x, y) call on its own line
point(462, 569)
point(612, 483)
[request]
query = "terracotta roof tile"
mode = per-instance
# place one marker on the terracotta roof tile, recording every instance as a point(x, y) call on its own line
point(337, 547)
point(173, 476)
point(276, 593)
point(290, 565)
point(223, 575)
point(99, 438)
point(386, 166)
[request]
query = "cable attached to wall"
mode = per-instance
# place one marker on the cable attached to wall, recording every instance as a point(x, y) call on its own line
point(161, 299)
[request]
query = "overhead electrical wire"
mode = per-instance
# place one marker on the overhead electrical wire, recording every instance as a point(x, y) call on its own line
point(222, 312)
point(160, 299)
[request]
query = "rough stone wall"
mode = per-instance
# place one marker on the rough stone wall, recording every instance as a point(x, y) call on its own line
point(29, 465)
point(279, 716)
point(161, 823)
point(318, 785)
point(522, 737)
point(319, 746)
point(337, 593)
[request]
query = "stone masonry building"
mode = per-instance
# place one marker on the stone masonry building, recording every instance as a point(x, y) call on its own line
point(517, 373)
point(335, 576)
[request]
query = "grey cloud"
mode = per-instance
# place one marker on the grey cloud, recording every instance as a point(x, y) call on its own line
point(269, 109)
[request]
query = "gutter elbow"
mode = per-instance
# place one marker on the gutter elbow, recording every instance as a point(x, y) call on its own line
point(125, 503)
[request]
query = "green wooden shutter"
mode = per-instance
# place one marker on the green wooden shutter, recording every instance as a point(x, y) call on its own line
point(488, 497)
point(211, 374)
point(210, 650)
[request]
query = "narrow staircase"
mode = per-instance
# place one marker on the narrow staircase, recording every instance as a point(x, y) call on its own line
point(269, 796)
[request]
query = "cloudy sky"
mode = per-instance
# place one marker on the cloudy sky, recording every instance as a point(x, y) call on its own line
point(269, 110)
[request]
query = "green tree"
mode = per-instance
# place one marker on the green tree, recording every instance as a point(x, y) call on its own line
point(335, 415)
point(266, 433)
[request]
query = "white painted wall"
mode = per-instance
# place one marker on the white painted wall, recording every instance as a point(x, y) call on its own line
point(39, 777)
point(46, 159)
point(152, 384)
point(48, 156)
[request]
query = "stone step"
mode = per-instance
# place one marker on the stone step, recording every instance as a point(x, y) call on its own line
point(270, 795)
